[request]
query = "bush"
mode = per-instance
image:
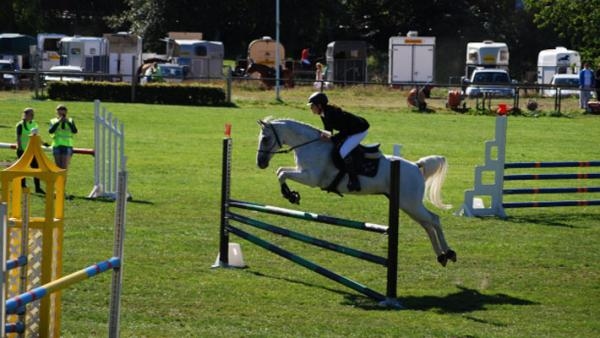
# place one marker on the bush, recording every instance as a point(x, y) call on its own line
point(160, 93)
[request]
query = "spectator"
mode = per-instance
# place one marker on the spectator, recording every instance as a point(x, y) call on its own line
point(597, 80)
point(25, 128)
point(62, 130)
point(586, 83)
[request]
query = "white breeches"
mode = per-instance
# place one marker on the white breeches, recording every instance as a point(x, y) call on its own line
point(351, 142)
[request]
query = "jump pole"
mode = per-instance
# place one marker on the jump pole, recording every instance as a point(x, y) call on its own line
point(388, 300)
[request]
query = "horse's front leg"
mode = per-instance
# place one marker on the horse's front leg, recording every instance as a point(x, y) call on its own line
point(294, 174)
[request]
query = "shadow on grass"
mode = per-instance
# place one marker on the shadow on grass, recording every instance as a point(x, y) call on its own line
point(465, 300)
point(570, 220)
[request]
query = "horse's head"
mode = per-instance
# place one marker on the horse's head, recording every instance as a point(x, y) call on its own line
point(268, 143)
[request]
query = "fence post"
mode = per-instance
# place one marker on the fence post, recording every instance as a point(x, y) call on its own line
point(393, 215)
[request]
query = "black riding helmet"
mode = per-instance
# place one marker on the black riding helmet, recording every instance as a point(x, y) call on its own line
point(318, 98)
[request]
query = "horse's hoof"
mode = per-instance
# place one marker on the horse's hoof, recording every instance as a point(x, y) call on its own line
point(294, 197)
point(451, 255)
point(442, 259)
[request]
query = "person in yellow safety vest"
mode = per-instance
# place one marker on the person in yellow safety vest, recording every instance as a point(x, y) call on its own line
point(62, 130)
point(25, 128)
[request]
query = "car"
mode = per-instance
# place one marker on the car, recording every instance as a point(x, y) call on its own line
point(169, 72)
point(64, 73)
point(489, 82)
point(568, 84)
point(8, 80)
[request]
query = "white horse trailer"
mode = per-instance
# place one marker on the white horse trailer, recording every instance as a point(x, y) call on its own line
point(124, 54)
point(411, 58)
point(89, 53)
point(48, 49)
point(557, 61)
point(486, 54)
point(204, 59)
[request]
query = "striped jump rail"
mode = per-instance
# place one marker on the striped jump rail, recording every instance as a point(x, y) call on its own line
point(14, 303)
point(551, 176)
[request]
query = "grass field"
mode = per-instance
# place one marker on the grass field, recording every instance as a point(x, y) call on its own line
point(535, 274)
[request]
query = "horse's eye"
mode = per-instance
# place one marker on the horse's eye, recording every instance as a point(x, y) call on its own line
point(266, 139)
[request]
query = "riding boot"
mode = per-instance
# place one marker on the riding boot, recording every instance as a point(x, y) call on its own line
point(353, 182)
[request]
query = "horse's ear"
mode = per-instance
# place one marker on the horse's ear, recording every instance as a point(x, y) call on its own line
point(261, 123)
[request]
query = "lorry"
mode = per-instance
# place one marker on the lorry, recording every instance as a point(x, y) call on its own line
point(124, 54)
point(486, 54)
point(411, 58)
point(559, 60)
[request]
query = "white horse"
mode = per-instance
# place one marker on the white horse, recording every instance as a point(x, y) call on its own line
point(315, 168)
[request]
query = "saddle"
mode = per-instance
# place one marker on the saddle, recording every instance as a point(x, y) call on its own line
point(365, 159)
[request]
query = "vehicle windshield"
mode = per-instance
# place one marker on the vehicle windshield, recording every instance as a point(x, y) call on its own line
point(567, 81)
point(491, 77)
point(171, 71)
point(5, 66)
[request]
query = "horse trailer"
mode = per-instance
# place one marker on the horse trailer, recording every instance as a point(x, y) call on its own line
point(89, 53)
point(486, 54)
point(48, 50)
point(557, 61)
point(203, 59)
point(346, 62)
point(18, 49)
point(411, 58)
point(124, 54)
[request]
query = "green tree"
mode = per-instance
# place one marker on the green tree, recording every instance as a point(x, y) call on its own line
point(577, 22)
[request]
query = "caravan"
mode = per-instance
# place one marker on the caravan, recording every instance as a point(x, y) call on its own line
point(557, 61)
point(486, 54)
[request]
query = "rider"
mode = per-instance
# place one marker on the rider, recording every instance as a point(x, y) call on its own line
point(351, 129)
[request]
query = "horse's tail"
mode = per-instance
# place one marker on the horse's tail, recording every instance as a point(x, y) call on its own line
point(434, 168)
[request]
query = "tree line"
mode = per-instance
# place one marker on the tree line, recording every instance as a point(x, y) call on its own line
point(527, 26)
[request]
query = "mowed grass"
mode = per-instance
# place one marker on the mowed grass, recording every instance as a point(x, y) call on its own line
point(535, 274)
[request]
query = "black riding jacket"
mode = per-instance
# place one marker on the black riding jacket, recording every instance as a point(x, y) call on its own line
point(334, 118)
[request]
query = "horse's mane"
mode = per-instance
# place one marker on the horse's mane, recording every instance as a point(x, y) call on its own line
point(303, 126)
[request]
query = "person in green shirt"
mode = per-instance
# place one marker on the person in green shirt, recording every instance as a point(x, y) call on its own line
point(62, 129)
point(24, 129)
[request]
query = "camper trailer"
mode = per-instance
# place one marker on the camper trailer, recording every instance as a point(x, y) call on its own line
point(47, 47)
point(17, 48)
point(557, 61)
point(124, 54)
point(486, 54)
point(411, 58)
point(346, 62)
point(263, 51)
point(89, 53)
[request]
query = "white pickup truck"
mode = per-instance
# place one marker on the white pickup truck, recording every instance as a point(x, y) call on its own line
point(489, 82)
